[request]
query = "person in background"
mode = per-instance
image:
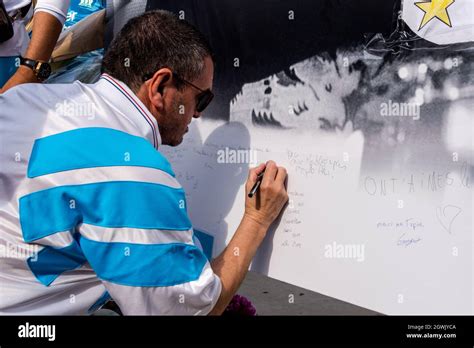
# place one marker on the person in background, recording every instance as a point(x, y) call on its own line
point(80, 9)
point(23, 60)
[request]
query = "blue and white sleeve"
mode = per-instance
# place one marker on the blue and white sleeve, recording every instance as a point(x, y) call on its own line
point(140, 244)
point(118, 203)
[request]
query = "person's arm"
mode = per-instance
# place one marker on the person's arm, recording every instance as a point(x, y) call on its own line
point(151, 265)
point(260, 211)
point(46, 30)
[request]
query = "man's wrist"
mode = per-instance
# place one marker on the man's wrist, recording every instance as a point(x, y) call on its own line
point(27, 73)
point(255, 224)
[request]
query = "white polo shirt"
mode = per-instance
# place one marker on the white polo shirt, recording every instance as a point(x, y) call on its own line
point(89, 208)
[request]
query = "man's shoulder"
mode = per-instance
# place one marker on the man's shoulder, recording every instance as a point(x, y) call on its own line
point(28, 88)
point(34, 95)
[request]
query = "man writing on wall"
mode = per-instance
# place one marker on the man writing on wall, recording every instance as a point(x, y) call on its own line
point(98, 202)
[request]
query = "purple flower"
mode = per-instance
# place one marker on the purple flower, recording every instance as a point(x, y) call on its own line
point(240, 305)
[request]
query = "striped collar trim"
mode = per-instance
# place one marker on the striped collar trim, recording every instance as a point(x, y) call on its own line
point(138, 105)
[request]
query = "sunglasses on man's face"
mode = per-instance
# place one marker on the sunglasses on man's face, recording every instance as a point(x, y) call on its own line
point(203, 99)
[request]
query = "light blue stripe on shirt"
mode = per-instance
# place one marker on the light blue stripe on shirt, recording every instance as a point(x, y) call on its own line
point(49, 263)
point(207, 242)
point(145, 265)
point(107, 204)
point(93, 147)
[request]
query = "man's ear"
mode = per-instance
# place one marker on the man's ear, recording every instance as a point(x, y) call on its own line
point(158, 86)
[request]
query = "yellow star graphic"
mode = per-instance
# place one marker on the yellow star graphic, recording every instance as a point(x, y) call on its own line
point(435, 9)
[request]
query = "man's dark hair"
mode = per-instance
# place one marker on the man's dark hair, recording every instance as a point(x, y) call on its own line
point(154, 40)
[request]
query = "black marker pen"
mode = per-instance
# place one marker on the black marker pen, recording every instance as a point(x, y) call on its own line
point(256, 185)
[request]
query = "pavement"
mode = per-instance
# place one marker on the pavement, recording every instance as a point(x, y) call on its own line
point(273, 297)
